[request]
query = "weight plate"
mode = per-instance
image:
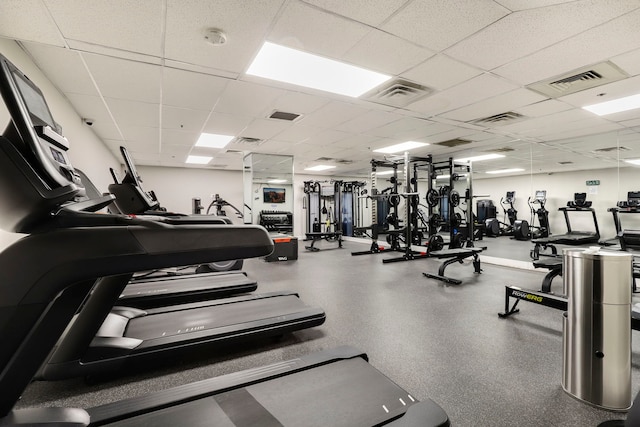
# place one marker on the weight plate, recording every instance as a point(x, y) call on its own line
point(432, 198)
point(394, 200)
point(454, 198)
point(436, 243)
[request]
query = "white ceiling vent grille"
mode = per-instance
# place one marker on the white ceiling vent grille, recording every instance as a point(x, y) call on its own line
point(397, 93)
point(453, 142)
point(500, 150)
point(578, 80)
point(331, 159)
point(610, 149)
point(246, 141)
point(499, 119)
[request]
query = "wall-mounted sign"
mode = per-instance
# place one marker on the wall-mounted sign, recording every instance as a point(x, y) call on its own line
point(593, 182)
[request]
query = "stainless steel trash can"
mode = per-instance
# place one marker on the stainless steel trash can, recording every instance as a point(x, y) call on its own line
point(597, 327)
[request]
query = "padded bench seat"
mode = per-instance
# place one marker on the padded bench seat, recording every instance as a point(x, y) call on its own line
point(319, 235)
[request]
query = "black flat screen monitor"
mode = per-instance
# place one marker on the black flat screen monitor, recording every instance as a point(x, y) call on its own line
point(273, 195)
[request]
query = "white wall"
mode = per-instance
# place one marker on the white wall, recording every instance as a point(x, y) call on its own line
point(88, 152)
point(175, 187)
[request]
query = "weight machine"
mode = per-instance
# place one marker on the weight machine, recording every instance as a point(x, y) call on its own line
point(322, 222)
point(403, 230)
point(446, 199)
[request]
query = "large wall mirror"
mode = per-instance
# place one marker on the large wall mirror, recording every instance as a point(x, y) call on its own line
point(268, 191)
point(560, 169)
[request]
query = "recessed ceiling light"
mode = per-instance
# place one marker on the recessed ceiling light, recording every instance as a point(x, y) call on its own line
point(199, 160)
point(319, 168)
point(277, 181)
point(293, 66)
point(403, 146)
point(633, 161)
point(212, 140)
point(615, 106)
point(505, 171)
point(384, 172)
point(481, 157)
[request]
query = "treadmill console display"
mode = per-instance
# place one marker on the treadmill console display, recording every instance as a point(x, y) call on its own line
point(132, 177)
point(37, 129)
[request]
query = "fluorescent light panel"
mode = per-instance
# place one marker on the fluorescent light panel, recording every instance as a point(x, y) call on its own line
point(212, 140)
point(615, 106)
point(199, 160)
point(277, 181)
point(319, 168)
point(403, 146)
point(293, 66)
point(480, 158)
point(384, 173)
point(505, 171)
point(633, 161)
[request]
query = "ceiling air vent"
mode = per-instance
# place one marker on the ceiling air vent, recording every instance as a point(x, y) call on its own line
point(242, 140)
point(578, 80)
point(500, 150)
point(565, 163)
point(609, 149)
point(397, 93)
point(324, 159)
point(343, 161)
point(281, 115)
point(499, 119)
point(453, 142)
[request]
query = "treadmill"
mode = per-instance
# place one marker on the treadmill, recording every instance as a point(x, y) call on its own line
point(39, 196)
point(154, 289)
point(631, 205)
point(571, 237)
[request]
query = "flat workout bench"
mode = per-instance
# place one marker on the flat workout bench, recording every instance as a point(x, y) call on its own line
point(328, 236)
point(454, 255)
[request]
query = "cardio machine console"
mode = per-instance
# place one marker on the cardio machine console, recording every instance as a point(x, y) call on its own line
point(33, 124)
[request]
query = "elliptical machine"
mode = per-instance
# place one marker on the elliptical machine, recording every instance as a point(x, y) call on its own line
point(519, 227)
point(542, 229)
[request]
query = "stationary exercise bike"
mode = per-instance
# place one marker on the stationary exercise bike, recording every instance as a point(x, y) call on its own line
point(542, 229)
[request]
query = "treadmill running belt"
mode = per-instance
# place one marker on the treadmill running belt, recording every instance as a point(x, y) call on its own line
point(200, 319)
point(345, 393)
point(189, 284)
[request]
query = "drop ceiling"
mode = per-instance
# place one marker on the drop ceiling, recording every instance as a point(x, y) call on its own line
point(145, 74)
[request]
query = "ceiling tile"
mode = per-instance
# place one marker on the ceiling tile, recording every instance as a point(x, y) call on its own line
point(179, 138)
point(298, 133)
point(629, 62)
point(265, 128)
point(127, 112)
point(369, 120)
point(92, 107)
point(511, 37)
point(28, 20)
point(496, 105)
point(226, 124)
point(441, 72)
point(298, 102)
point(183, 119)
point(474, 90)
point(119, 78)
point(130, 26)
point(191, 90)
point(406, 129)
point(332, 114)
point(248, 99)
point(309, 29)
point(613, 38)
point(530, 4)
point(372, 12)
point(437, 24)
point(244, 22)
point(359, 142)
point(63, 67)
point(386, 53)
point(544, 108)
point(148, 137)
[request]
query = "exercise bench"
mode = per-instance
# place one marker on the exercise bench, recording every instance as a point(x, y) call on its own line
point(328, 236)
point(454, 255)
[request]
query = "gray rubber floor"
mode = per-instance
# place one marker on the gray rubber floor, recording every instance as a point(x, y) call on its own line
point(440, 341)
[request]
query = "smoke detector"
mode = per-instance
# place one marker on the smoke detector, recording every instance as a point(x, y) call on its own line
point(215, 37)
